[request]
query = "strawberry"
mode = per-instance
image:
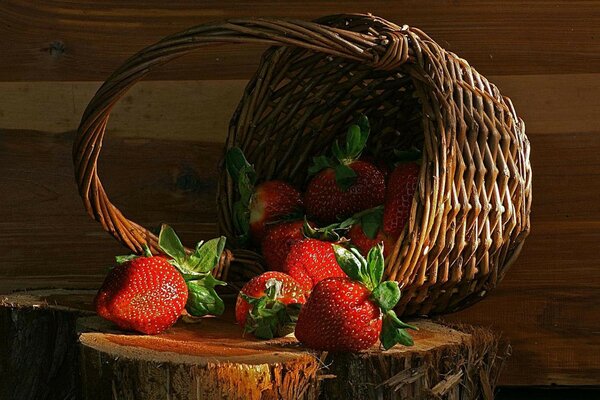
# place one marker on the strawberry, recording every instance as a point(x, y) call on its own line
point(310, 261)
point(268, 304)
point(366, 231)
point(261, 204)
point(344, 185)
point(359, 238)
point(148, 293)
point(402, 184)
point(278, 241)
point(351, 313)
point(272, 201)
point(144, 294)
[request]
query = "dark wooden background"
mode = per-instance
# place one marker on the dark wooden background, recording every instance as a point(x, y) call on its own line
point(165, 138)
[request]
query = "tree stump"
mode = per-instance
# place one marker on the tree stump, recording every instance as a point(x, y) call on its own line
point(38, 344)
point(209, 359)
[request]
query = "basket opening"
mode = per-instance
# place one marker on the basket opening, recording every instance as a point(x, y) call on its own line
point(299, 102)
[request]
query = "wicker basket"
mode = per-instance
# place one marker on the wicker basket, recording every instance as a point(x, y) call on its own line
point(470, 213)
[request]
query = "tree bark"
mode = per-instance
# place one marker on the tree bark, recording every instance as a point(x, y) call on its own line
point(210, 359)
point(38, 350)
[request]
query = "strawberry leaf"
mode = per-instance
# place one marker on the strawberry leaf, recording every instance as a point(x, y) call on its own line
point(371, 221)
point(352, 263)
point(376, 265)
point(170, 244)
point(393, 331)
point(244, 176)
point(202, 297)
point(386, 295)
point(356, 139)
point(235, 161)
point(206, 256)
point(344, 176)
point(403, 156)
point(319, 163)
point(269, 317)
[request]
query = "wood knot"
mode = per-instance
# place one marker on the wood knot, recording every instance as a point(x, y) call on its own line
point(56, 49)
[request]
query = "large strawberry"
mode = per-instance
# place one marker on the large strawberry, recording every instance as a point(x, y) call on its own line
point(260, 204)
point(401, 187)
point(310, 261)
point(367, 232)
point(144, 294)
point(148, 293)
point(342, 185)
point(278, 241)
point(268, 305)
point(351, 313)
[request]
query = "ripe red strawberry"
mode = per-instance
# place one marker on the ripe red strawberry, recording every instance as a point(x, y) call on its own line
point(268, 304)
point(147, 294)
point(278, 241)
point(272, 201)
point(401, 188)
point(144, 294)
point(366, 231)
point(328, 201)
point(310, 261)
point(342, 185)
point(359, 238)
point(351, 313)
point(261, 204)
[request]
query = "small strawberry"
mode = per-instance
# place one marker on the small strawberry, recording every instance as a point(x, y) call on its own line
point(342, 185)
point(364, 243)
point(366, 231)
point(351, 313)
point(260, 204)
point(278, 241)
point(310, 261)
point(268, 305)
point(401, 187)
point(272, 201)
point(147, 294)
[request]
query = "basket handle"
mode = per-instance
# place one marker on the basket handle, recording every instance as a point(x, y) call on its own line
point(387, 49)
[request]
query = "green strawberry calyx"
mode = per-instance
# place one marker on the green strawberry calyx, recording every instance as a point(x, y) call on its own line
point(386, 294)
point(244, 177)
point(268, 316)
point(196, 267)
point(407, 156)
point(344, 154)
point(370, 221)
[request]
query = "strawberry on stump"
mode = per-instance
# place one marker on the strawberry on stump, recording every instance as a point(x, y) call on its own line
point(268, 305)
point(259, 205)
point(343, 185)
point(351, 313)
point(148, 293)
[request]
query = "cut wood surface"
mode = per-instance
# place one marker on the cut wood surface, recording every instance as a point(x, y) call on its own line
point(211, 360)
point(39, 357)
point(57, 40)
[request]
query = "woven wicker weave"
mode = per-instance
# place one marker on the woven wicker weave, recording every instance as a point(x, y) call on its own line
point(470, 214)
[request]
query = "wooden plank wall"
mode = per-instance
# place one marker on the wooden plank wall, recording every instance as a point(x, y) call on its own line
point(165, 138)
